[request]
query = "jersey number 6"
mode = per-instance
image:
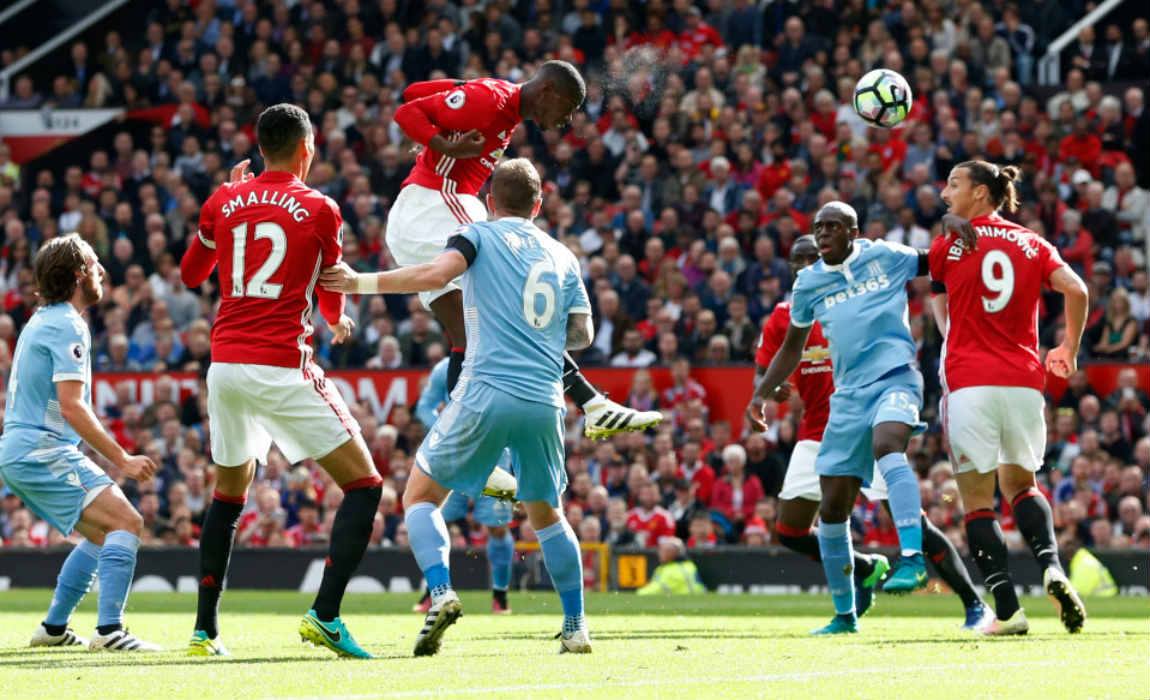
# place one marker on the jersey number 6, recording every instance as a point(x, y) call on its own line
point(534, 288)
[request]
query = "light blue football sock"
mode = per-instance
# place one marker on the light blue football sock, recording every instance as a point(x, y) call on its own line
point(430, 543)
point(905, 501)
point(117, 564)
point(838, 563)
point(73, 583)
point(565, 565)
point(500, 551)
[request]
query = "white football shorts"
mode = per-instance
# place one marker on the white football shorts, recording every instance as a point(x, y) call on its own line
point(992, 425)
point(802, 481)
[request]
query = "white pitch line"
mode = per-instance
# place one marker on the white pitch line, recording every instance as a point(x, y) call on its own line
point(808, 675)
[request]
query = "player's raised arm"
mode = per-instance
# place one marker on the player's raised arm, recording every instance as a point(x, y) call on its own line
point(426, 88)
point(450, 264)
point(1063, 360)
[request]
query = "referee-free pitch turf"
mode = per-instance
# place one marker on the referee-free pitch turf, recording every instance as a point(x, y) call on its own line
point(708, 646)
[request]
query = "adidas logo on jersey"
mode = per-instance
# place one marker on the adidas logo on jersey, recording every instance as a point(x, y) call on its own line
point(857, 289)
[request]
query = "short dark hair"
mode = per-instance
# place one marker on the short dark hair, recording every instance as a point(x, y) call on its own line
point(1000, 182)
point(516, 187)
point(566, 79)
point(56, 265)
point(279, 128)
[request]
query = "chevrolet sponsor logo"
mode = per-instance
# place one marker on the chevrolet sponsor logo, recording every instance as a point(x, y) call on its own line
point(816, 354)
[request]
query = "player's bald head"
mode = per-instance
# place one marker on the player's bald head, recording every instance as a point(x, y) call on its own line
point(566, 80)
point(516, 187)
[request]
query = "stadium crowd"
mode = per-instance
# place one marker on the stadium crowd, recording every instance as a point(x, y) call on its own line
point(711, 133)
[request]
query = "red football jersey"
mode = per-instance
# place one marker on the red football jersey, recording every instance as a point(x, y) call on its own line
point(814, 379)
point(992, 304)
point(649, 527)
point(278, 233)
point(456, 107)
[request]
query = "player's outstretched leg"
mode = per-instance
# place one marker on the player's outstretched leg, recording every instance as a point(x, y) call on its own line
point(906, 508)
point(73, 583)
point(602, 416)
point(953, 571)
point(1036, 523)
point(796, 534)
point(352, 468)
point(565, 566)
point(500, 551)
point(216, 540)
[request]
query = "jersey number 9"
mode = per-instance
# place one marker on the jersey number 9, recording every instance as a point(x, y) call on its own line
point(998, 276)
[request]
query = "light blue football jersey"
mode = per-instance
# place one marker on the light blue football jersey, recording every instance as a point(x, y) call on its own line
point(517, 294)
point(861, 305)
point(434, 393)
point(55, 345)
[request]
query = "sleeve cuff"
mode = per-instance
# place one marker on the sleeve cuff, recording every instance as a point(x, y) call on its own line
point(210, 245)
point(800, 324)
point(579, 310)
point(66, 377)
point(937, 287)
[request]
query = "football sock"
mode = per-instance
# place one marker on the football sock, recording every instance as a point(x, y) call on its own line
point(73, 583)
point(948, 562)
point(430, 544)
point(499, 554)
point(454, 368)
point(807, 542)
point(215, 551)
point(575, 384)
point(838, 563)
point(1036, 523)
point(500, 596)
point(905, 500)
point(350, 534)
point(116, 564)
point(984, 537)
point(565, 565)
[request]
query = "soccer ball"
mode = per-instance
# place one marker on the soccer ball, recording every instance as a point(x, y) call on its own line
point(882, 98)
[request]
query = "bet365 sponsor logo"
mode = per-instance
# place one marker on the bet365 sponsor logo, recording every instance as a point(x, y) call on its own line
point(857, 289)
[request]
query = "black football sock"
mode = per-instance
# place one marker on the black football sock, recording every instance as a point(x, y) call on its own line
point(948, 562)
point(499, 596)
point(350, 534)
point(105, 630)
point(984, 536)
point(55, 630)
point(807, 542)
point(215, 550)
point(575, 384)
point(425, 597)
point(454, 367)
point(1036, 523)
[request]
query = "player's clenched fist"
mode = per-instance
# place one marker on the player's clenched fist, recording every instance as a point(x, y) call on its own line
point(468, 146)
point(139, 468)
point(1061, 362)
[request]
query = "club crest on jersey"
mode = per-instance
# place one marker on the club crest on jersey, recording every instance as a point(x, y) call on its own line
point(456, 99)
point(857, 289)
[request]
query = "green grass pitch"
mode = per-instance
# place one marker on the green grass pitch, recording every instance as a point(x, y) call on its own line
point(684, 647)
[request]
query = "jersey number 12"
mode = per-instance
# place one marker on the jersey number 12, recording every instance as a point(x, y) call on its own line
point(258, 285)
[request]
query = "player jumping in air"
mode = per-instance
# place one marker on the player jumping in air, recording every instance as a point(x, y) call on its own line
point(986, 303)
point(49, 411)
point(801, 493)
point(857, 293)
point(525, 303)
point(270, 237)
point(493, 513)
point(464, 126)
